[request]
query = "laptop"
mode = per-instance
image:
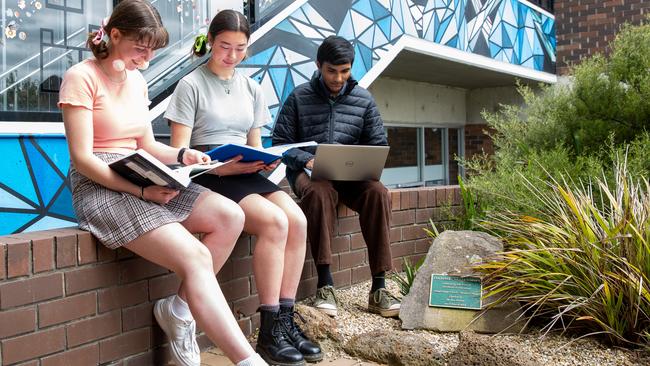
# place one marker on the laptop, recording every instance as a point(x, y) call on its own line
point(349, 162)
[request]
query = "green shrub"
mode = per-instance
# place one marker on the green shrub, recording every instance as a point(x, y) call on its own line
point(583, 261)
point(405, 281)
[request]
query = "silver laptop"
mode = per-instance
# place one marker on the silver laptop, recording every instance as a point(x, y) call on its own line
point(349, 162)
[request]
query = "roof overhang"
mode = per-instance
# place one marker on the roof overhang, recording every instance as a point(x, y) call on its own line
point(420, 60)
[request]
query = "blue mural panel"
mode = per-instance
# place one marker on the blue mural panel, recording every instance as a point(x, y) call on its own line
point(36, 194)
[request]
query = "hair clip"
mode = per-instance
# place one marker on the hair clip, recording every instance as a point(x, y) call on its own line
point(199, 42)
point(101, 32)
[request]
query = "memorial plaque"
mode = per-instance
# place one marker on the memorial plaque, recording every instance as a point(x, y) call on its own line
point(455, 292)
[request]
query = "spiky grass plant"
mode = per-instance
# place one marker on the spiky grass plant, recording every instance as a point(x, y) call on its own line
point(582, 263)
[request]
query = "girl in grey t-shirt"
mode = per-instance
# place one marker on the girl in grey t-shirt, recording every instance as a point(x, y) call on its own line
point(216, 105)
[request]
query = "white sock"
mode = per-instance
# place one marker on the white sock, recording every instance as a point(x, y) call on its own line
point(252, 360)
point(180, 309)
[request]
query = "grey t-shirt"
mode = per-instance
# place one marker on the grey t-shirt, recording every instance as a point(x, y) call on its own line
point(202, 103)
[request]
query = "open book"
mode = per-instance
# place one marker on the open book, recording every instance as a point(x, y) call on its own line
point(249, 153)
point(144, 169)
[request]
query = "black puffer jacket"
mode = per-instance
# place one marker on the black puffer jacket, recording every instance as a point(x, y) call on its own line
point(310, 114)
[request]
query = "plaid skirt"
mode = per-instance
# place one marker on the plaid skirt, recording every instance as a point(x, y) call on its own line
point(117, 218)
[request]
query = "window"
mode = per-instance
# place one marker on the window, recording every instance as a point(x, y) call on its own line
point(41, 39)
point(423, 156)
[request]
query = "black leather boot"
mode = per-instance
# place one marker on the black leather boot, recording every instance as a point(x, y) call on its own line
point(309, 350)
point(272, 343)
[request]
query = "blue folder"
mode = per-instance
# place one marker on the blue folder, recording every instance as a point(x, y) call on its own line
point(229, 151)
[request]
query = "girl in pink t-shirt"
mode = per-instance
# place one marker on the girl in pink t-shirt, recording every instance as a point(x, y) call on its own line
point(104, 102)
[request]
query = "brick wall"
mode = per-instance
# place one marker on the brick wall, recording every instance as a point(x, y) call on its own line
point(585, 27)
point(66, 300)
point(477, 141)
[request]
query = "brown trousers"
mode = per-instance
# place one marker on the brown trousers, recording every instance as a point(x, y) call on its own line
point(319, 199)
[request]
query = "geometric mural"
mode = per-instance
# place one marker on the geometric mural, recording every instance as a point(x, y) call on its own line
point(34, 185)
point(505, 30)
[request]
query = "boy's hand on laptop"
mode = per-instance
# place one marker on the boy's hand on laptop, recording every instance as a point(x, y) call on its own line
point(237, 167)
point(310, 164)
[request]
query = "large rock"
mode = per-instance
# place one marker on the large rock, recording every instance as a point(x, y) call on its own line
point(482, 350)
point(391, 347)
point(454, 253)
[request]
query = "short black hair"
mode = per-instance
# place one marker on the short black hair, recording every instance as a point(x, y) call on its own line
point(335, 50)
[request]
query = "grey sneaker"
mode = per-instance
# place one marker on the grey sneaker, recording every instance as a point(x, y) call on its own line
point(326, 300)
point(383, 303)
point(181, 333)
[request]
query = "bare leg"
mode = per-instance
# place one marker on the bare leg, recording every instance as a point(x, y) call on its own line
point(295, 250)
point(269, 224)
point(221, 220)
point(173, 247)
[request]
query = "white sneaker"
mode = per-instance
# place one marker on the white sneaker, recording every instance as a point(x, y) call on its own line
point(181, 333)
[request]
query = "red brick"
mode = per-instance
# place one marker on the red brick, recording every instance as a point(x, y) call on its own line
point(66, 250)
point(357, 241)
point(242, 267)
point(352, 259)
point(342, 278)
point(226, 271)
point(236, 289)
point(431, 198)
point(402, 249)
point(104, 254)
point(405, 200)
point(360, 274)
point(306, 288)
point(422, 245)
point(17, 322)
point(423, 215)
point(246, 306)
point(163, 286)
point(43, 254)
point(85, 279)
point(3, 256)
point(422, 198)
point(307, 269)
point(400, 218)
point(341, 244)
point(69, 308)
point(31, 290)
point(122, 296)
point(137, 317)
point(349, 225)
point(138, 269)
point(95, 328)
point(153, 357)
point(395, 200)
point(124, 345)
point(414, 232)
point(395, 234)
point(87, 248)
point(86, 355)
point(33, 345)
point(18, 259)
point(242, 247)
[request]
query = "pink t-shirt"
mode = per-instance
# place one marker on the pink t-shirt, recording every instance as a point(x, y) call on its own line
point(119, 109)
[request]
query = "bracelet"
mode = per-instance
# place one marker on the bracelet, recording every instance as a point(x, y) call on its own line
point(181, 152)
point(142, 193)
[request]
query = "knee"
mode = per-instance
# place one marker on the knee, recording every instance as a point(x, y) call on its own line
point(379, 191)
point(199, 258)
point(276, 226)
point(231, 216)
point(297, 221)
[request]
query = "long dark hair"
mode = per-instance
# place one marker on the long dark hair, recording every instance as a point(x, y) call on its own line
point(133, 18)
point(225, 20)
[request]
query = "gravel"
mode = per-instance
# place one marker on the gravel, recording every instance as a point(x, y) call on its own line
point(551, 349)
